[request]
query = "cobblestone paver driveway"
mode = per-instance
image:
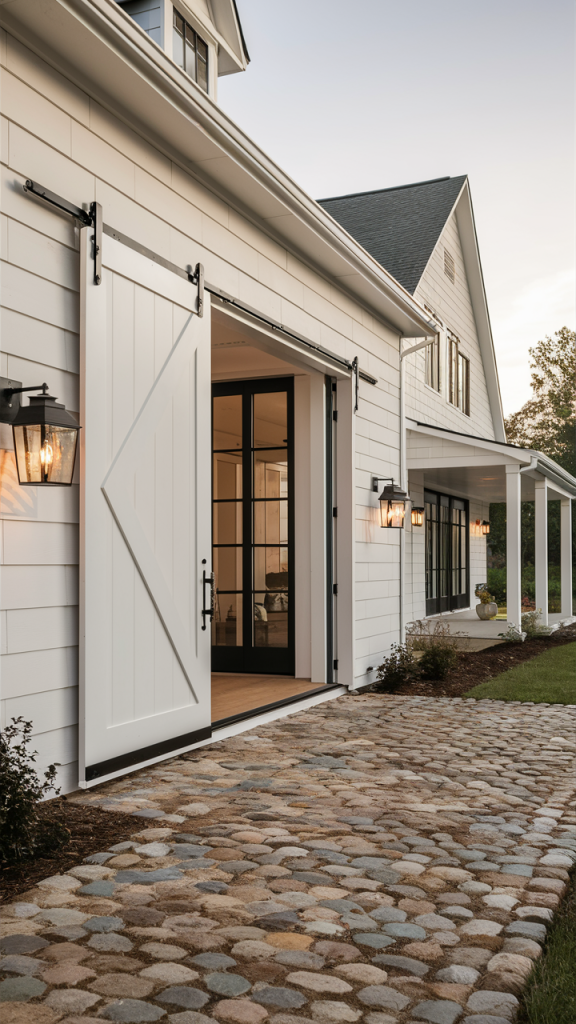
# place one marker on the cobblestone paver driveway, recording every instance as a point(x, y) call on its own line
point(373, 859)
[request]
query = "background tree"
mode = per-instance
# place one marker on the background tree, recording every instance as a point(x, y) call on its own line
point(546, 423)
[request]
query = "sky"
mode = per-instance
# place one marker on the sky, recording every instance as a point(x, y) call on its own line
point(371, 94)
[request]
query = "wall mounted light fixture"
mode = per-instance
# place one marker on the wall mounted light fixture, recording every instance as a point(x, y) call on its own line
point(480, 528)
point(45, 435)
point(393, 501)
point(417, 516)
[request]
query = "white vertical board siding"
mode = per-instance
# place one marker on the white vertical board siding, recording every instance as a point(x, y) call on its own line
point(145, 512)
point(452, 303)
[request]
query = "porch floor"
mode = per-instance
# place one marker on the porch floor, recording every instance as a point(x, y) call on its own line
point(234, 693)
point(482, 634)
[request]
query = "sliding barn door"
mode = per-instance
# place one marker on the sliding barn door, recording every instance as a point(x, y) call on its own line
point(145, 513)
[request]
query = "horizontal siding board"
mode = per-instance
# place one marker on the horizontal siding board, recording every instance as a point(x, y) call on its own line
point(36, 629)
point(27, 293)
point(39, 586)
point(29, 543)
point(49, 710)
point(36, 671)
point(38, 341)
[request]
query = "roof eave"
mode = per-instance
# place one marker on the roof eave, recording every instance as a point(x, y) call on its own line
point(93, 43)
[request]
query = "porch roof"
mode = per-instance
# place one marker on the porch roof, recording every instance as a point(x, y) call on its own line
point(470, 466)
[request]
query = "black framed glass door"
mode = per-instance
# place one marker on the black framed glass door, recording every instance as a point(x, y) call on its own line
point(447, 575)
point(253, 526)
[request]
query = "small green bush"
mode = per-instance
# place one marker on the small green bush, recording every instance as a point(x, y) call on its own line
point(22, 835)
point(398, 668)
point(438, 659)
point(532, 626)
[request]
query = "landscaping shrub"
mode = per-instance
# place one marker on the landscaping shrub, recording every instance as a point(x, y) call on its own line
point(398, 668)
point(532, 626)
point(438, 659)
point(21, 790)
point(497, 585)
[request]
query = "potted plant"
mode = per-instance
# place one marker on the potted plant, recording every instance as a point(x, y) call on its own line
point(487, 609)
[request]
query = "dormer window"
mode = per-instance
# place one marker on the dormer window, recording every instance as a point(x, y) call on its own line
point(190, 51)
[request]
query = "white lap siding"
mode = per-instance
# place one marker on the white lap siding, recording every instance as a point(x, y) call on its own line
point(452, 303)
point(55, 133)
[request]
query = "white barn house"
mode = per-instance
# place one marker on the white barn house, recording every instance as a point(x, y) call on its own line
point(238, 357)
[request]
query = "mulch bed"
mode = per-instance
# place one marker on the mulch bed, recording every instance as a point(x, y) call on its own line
point(474, 667)
point(91, 829)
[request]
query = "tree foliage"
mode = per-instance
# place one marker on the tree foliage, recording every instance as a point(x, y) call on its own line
point(547, 422)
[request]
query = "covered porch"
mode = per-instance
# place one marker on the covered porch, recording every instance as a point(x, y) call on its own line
point(480, 472)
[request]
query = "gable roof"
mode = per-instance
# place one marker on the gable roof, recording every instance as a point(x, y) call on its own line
point(400, 226)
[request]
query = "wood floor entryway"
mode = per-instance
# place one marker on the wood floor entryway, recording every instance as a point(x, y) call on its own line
point(235, 694)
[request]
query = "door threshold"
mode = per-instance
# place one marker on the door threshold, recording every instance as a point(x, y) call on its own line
point(222, 723)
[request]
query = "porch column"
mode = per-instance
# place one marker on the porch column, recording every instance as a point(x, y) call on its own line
point(513, 549)
point(566, 557)
point(541, 546)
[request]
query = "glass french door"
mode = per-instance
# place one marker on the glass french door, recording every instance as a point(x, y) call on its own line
point(253, 526)
point(447, 573)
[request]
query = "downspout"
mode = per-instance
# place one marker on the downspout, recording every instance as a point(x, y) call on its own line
point(403, 470)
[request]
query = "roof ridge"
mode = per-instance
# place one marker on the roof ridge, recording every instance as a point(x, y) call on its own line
point(392, 188)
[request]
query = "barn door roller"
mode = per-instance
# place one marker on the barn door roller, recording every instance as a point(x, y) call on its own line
point(92, 218)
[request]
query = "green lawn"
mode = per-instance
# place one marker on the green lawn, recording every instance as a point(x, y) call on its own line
point(550, 678)
point(550, 995)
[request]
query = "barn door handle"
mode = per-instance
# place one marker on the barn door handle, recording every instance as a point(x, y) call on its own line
point(207, 580)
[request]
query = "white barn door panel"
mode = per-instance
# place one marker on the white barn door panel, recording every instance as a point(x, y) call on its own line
point(145, 513)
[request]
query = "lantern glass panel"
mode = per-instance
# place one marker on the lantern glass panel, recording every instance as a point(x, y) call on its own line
point(392, 513)
point(45, 454)
point(417, 517)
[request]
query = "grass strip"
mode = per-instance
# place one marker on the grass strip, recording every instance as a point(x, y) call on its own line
point(550, 995)
point(550, 678)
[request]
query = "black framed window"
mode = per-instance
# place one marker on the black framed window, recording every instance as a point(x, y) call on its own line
point(190, 51)
point(458, 376)
point(253, 526)
point(446, 553)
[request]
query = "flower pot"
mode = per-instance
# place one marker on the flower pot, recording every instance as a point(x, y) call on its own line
point(487, 611)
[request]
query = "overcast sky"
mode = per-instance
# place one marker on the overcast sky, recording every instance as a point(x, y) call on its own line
point(348, 97)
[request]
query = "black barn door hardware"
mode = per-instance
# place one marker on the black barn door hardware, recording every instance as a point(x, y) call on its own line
point(207, 581)
point(92, 218)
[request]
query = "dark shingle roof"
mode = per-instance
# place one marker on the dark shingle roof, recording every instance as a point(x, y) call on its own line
point(399, 227)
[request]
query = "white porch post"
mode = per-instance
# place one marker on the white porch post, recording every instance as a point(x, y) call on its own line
point(541, 546)
point(566, 557)
point(513, 549)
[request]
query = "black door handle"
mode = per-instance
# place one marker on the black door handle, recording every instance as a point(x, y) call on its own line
point(207, 580)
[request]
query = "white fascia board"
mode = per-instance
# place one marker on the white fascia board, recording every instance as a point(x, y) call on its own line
point(227, 22)
point(100, 49)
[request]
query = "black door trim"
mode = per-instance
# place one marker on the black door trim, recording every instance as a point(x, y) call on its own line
point(449, 602)
point(250, 659)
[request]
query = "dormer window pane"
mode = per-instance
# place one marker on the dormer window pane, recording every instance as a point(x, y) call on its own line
point(190, 52)
point(178, 40)
point(202, 63)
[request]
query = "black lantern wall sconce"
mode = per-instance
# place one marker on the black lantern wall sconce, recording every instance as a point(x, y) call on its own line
point(45, 435)
point(393, 501)
point(417, 516)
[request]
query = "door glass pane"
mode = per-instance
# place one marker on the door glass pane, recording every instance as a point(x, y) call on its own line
point(270, 419)
point(270, 568)
point(270, 620)
point(227, 563)
point(227, 470)
point(271, 474)
point(227, 421)
point(227, 522)
point(270, 522)
point(227, 621)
